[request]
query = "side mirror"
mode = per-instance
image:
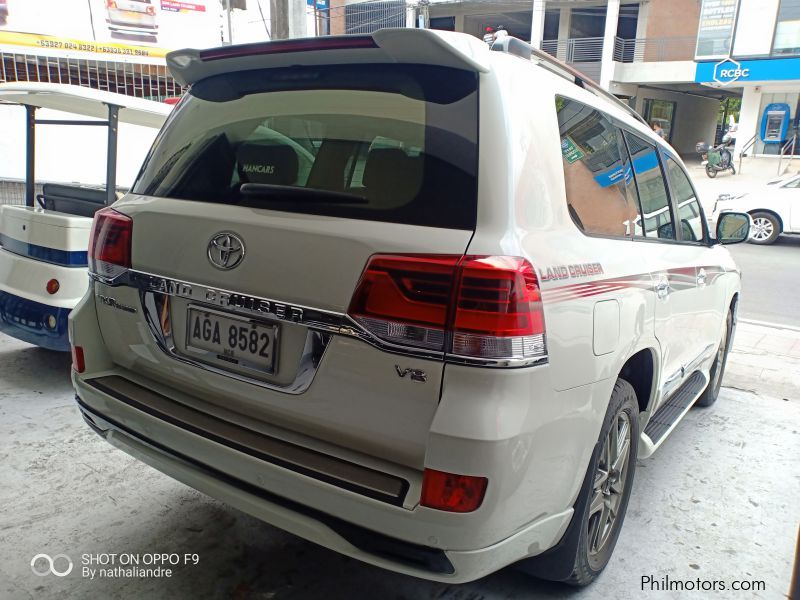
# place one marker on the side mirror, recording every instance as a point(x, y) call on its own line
point(733, 227)
point(666, 231)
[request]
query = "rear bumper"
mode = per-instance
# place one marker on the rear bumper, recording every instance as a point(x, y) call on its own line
point(27, 311)
point(394, 537)
point(31, 322)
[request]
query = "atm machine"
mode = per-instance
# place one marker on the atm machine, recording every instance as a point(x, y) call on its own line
point(775, 127)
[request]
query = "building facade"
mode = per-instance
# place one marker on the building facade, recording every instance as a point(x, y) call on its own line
point(661, 55)
point(752, 48)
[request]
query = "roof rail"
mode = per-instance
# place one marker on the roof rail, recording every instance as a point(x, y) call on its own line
point(517, 47)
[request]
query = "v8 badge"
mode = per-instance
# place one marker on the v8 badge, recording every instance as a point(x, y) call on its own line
point(413, 374)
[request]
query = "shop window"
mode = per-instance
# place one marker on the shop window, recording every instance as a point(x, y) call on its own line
point(601, 194)
point(715, 28)
point(443, 23)
point(787, 28)
point(660, 114)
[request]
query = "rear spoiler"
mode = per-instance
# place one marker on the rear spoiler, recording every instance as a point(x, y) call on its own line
point(401, 45)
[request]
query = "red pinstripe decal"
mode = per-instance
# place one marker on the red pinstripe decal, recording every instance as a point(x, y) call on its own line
point(681, 278)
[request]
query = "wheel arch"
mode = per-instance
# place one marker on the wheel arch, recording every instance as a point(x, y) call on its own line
point(640, 371)
point(770, 212)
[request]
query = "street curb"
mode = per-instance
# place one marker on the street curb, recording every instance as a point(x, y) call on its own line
point(768, 324)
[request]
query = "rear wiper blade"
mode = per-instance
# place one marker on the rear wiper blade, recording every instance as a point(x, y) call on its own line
point(299, 193)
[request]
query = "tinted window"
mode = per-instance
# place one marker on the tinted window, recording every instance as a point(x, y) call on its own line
point(683, 197)
point(601, 195)
point(391, 143)
point(652, 188)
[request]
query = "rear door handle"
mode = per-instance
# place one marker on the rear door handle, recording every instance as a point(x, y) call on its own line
point(663, 289)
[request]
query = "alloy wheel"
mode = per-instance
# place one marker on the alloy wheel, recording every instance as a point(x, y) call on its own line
point(609, 484)
point(762, 229)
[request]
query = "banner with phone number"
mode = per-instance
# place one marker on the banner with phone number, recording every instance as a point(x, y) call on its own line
point(109, 50)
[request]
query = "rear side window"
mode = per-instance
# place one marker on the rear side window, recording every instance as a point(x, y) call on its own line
point(393, 143)
point(601, 194)
point(657, 217)
point(683, 196)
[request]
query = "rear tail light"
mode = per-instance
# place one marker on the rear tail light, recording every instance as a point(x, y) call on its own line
point(452, 493)
point(111, 4)
point(405, 299)
point(110, 243)
point(498, 309)
point(78, 362)
point(53, 286)
point(151, 10)
point(486, 307)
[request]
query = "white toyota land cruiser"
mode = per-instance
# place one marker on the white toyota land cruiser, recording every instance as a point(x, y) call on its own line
point(418, 301)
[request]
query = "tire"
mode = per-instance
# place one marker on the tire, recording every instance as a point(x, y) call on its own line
point(709, 396)
point(589, 541)
point(711, 171)
point(766, 228)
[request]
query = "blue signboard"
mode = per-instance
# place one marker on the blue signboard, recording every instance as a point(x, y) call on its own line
point(321, 4)
point(730, 71)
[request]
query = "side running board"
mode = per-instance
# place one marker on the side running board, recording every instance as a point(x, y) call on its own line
point(672, 411)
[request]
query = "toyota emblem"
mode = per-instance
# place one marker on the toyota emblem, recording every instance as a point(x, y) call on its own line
point(226, 250)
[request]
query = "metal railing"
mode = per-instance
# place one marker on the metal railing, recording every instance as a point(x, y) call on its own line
point(575, 49)
point(12, 191)
point(654, 49)
point(141, 80)
point(583, 50)
point(750, 143)
point(791, 144)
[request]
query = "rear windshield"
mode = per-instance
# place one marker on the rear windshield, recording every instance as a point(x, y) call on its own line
point(393, 143)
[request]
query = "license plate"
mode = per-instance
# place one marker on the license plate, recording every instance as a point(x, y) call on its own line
point(232, 339)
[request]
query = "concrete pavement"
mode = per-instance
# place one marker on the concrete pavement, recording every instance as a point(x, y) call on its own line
point(770, 280)
point(765, 360)
point(717, 502)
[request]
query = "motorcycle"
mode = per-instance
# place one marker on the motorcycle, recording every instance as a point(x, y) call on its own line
point(716, 158)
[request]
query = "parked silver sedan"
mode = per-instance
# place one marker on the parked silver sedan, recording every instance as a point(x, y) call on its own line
point(135, 17)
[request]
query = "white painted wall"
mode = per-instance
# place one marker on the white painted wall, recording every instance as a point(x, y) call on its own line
point(678, 71)
point(695, 117)
point(748, 117)
point(69, 153)
point(755, 27)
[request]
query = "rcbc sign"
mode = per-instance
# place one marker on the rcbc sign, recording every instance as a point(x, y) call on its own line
point(728, 70)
